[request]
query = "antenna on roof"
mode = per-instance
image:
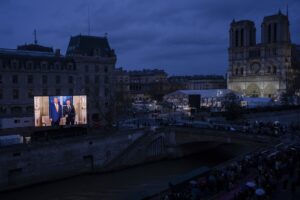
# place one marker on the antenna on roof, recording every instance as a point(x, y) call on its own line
point(34, 33)
point(89, 20)
point(287, 10)
point(105, 35)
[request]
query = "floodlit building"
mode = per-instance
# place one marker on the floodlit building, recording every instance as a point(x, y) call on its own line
point(265, 69)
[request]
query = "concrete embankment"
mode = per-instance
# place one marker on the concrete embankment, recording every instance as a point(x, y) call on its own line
point(24, 165)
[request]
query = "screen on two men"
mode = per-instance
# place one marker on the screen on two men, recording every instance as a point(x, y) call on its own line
point(60, 110)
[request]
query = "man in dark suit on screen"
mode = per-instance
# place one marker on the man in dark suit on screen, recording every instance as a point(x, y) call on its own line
point(55, 111)
point(69, 113)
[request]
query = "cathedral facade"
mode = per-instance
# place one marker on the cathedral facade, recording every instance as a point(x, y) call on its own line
point(265, 69)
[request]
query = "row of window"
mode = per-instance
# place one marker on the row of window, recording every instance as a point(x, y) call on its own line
point(16, 92)
point(16, 65)
point(45, 79)
point(87, 79)
point(96, 68)
point(16, 110)
point(30, 79)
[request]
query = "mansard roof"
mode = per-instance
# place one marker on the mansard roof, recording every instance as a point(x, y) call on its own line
point(85, 45)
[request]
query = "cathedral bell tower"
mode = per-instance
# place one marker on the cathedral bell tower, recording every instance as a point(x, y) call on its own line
point(275, 29)
point(242, 34)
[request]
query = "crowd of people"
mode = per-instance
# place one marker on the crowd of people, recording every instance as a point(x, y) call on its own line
point(267, 128)
point(256, 176)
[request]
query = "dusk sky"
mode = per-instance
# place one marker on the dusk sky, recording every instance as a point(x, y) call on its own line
point(179, 36)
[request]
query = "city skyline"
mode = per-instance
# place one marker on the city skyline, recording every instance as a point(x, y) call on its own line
point(188, 37)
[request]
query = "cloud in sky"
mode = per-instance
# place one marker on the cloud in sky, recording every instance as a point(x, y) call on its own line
point(181, 37)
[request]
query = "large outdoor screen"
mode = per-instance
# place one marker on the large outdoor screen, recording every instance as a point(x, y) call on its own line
point(60, 110)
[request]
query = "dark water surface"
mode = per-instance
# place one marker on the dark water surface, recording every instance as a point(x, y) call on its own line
point(126, 184)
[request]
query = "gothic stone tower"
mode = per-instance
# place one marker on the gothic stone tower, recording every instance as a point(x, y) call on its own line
point(265, 69)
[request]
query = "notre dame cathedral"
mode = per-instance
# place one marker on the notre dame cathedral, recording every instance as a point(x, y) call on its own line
point(265, 69)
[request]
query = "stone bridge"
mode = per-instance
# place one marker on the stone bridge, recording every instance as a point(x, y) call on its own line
point(172, 142)
point(183, 136)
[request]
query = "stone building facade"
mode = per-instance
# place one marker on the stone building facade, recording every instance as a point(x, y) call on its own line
point(265, 69)
point(35, 70)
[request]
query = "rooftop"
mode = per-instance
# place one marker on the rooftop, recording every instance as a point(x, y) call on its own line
point(86, 45)
point(26, 53)
point(198, 77)
point(35, 47)
point(147, 72)
point(204, 93)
